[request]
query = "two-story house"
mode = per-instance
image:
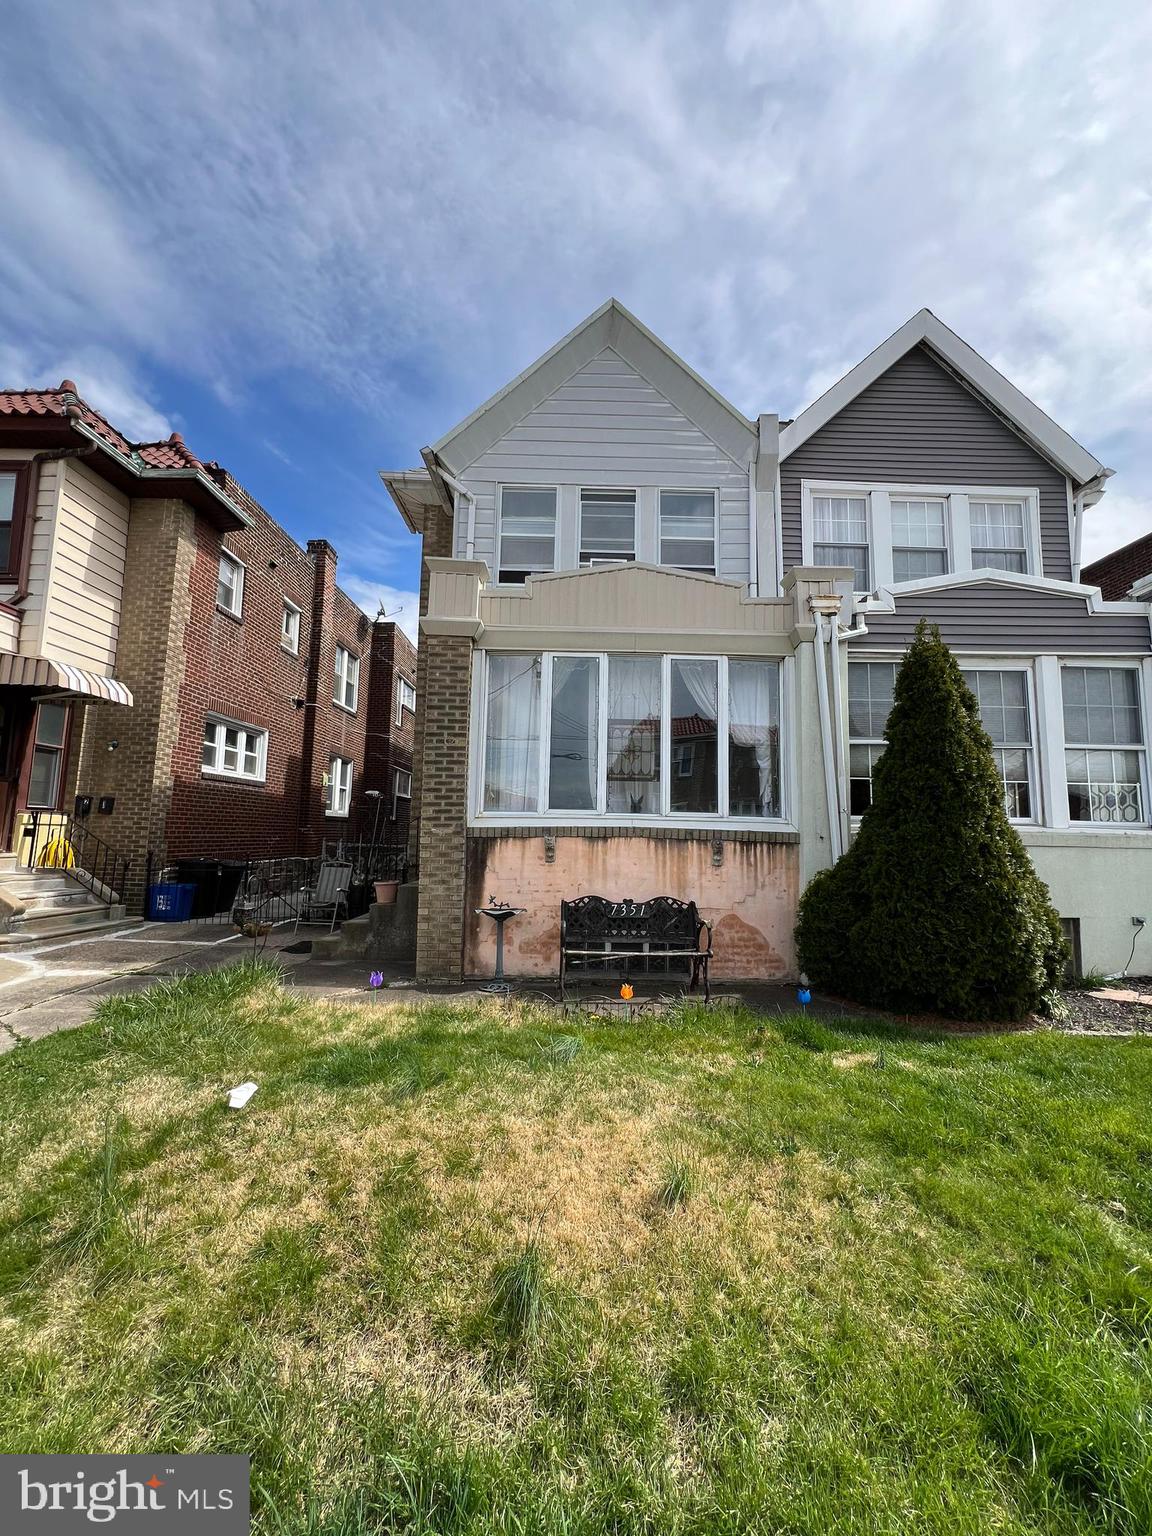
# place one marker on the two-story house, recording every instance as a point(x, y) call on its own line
point(178, 677)
point(658, 640)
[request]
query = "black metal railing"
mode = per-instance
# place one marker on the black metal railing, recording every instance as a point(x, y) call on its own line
point(66, 843)
point(390, 856)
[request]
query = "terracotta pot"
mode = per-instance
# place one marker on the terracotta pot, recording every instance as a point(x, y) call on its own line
point(386, 892)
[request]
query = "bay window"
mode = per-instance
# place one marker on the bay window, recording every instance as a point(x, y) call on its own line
point(688, 530)
point(1104, 744)
point(919, 539)
point(527, 532)
point(840, 535)
point(607, 527)
point(683, 736)
point(13, 497)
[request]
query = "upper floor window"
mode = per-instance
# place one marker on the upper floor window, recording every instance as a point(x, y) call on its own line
point(234, 751)
point(919, 538)
point(999, 531)
point(13, 489)
point(527, 532)
point(347, 679)
point(688, 530)
point(607, 527)
point(290, 628)
point(1104, 744)
point(840, 535)
point(405, 698)
point(635, 735)
point(401, 791)
point(230, 584)
point(339, 786)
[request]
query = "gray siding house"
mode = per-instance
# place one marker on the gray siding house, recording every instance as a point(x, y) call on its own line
point(658, 640)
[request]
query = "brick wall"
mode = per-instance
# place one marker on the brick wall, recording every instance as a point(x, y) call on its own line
point(390, 741)
point(443, 806)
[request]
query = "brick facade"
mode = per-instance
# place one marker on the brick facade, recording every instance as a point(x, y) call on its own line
point(447, 686)
point(1115, 574)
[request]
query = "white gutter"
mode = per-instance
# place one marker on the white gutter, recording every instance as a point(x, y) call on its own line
point(830, 797)
point(1087, 496)
point(753, 554)
point(462, 490)
point(837, 720)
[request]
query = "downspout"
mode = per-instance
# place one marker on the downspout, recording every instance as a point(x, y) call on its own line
point(837, 720)
point(462, 490)
point(1087, 496)
point(830, 796)
point(753, 553)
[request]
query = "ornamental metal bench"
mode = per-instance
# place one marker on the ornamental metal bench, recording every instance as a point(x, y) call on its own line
point(661, 936)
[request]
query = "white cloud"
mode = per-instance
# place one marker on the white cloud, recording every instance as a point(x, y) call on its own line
point(1115, 521)
point(101, 378)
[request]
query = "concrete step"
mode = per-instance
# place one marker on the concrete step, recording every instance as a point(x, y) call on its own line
point(57, 922)
point(44, 888)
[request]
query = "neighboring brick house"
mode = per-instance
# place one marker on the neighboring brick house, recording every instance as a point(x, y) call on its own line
point(659, 640)
point(247, 705)
point(1126, 572)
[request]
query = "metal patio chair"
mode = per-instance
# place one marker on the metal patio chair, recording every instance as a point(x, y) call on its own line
point(328, 895)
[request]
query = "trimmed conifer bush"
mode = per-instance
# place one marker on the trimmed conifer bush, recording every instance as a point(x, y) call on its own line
point(936, 906)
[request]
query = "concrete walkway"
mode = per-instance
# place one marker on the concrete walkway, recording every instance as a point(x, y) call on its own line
point(57, 984)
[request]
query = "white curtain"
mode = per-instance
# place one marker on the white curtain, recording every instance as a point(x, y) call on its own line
point(753, 720)
point(512, 750)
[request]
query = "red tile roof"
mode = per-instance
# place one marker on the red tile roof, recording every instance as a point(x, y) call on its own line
point(66, 403)
point(1115, 574)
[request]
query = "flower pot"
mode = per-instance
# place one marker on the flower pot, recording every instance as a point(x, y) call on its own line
point(386, 892)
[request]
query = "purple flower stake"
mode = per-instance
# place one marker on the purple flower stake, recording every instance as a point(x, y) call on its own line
point(376, 981)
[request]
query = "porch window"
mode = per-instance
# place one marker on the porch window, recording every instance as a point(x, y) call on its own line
point(919, 539)
point(234, 751)
point(339, 786)
point(684, 736)
point(49, 741)
point(230, 585)
point(347, 690)
point(999, 535)
point(607, 527)
point(869, 705)
point(527, 536)
point(1006, 716)
point(688, 530)
point(840, 535)
point(1104, 744)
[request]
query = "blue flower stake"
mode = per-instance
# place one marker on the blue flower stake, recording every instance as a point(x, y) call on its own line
point(376, 981)
point(803, 993)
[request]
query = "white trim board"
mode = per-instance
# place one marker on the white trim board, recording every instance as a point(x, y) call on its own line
point(1029, 420)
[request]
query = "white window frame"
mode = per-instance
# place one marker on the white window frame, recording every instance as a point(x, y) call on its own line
point(404, 687)
point(516, 485)
point(610, 490)
point(343, 676)
point(718, 820)
point(687, 490)
point(1060, 744)
point(947, 547)
point(290, 634)
point(399, 794)
point(336, 786)
point(235, 611)
point(958, 524)
point(217, 770)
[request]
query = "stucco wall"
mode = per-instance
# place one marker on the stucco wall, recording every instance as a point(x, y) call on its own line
point(1104, 879)
point(750, 898)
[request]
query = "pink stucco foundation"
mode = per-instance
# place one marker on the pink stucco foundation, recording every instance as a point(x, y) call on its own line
point(750, 897)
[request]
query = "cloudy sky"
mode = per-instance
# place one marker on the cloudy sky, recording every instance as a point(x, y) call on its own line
point(313, 237)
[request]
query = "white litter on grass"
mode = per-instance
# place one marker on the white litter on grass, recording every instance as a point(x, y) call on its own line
point(238, 1097)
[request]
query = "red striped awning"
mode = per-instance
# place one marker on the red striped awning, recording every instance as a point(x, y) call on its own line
point(41, 672)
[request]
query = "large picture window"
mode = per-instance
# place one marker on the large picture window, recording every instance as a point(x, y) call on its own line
point(1104, 744)
point(683, 736)
point(527, 540)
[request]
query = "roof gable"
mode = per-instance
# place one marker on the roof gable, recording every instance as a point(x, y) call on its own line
point(1027, 419)
point(611, 328)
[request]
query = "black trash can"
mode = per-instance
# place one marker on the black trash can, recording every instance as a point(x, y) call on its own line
point(216, 880)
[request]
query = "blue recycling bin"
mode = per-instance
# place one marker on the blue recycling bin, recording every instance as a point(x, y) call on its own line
point(169, 903)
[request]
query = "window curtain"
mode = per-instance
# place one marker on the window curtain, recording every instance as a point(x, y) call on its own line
point(512, 751)
point(634, 735)
point(753, 721)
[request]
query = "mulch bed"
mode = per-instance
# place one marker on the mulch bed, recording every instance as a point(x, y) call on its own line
point(1090, 1013)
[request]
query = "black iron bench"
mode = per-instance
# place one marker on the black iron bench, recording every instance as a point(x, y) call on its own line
point(662, 936)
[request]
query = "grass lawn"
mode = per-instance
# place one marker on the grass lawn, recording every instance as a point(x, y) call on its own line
point(466, 1270)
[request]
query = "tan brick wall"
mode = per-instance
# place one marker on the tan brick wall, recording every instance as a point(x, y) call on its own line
point(137, 770)
point(444, 705)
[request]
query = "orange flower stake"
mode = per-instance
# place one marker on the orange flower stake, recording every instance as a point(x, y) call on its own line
point(626, 991)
